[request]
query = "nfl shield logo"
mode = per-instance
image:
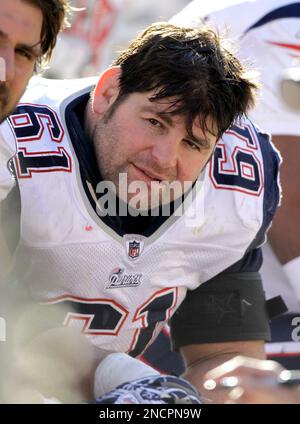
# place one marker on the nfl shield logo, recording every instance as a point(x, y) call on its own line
point(134, 248)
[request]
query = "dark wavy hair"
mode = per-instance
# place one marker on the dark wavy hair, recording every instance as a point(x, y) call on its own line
point(193, 69)
point(56, 15)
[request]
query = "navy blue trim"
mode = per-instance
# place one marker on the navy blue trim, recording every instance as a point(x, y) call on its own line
point(271, 161)
point(289, 11)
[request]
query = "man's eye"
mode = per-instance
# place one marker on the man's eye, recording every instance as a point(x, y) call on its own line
point(155, 122)
point(192, 145)
point(24, 53)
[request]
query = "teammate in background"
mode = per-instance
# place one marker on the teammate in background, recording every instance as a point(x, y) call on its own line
point(267, 32)
point(129, 263)
point(28, 32)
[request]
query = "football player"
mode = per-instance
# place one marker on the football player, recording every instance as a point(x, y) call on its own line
point(95, 236)
point(28, 32)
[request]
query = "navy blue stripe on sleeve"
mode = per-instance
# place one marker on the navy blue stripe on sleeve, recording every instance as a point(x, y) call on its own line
point(289, 11)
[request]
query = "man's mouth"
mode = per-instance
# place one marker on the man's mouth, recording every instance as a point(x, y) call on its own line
point(153, 176)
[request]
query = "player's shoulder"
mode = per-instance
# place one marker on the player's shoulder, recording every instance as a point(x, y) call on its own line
point(245, 135)
point(54, 92)
point(244, 172)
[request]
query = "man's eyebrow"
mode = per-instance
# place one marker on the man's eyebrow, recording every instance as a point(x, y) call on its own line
point(166, 117)
point(204, 143)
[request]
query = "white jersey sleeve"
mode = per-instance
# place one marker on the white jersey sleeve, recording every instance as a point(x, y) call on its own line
point(267, 32)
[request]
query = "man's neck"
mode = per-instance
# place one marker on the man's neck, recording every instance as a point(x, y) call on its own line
point(90, 120)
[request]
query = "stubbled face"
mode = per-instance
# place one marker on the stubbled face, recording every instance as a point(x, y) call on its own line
point(149, 146)
point(20, 33)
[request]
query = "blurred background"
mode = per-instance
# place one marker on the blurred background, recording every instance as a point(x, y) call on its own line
point(101, 28)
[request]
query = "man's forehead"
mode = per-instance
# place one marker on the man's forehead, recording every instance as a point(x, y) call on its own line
point(21, 21)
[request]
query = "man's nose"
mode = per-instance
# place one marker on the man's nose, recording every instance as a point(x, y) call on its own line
point(7, 64)
point(165, 152)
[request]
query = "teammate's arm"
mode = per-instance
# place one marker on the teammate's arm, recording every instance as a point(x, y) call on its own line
point(285, 230)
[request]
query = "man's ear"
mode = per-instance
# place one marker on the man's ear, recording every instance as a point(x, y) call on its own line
point(107, 90)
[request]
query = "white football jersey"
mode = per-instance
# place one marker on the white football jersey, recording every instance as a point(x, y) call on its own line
point(124, 287)
point(267, 35)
